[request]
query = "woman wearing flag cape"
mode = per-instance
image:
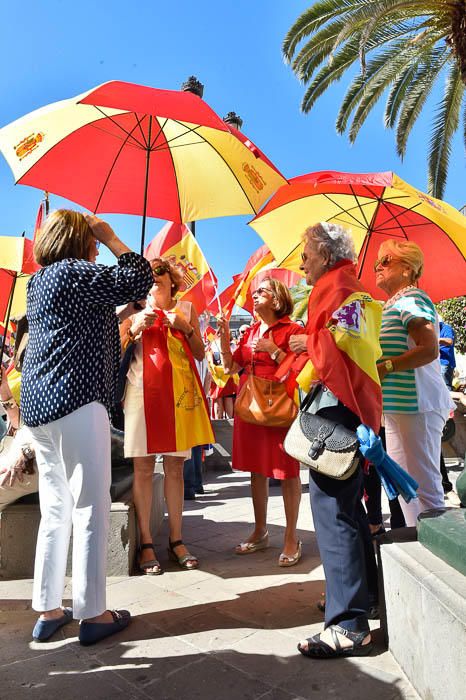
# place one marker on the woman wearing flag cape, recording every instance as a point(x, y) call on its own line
point(165, 405)
point(340, 348)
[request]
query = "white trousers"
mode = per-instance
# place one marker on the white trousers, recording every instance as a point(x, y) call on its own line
point(414, 441)
point(74, 464)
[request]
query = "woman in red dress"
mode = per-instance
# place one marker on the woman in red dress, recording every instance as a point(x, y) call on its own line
point(257, 449)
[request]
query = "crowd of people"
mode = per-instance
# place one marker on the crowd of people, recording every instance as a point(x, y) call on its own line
point(90, 325)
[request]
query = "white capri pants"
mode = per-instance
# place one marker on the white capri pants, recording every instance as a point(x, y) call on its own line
point(74, 462)
point(414, 441)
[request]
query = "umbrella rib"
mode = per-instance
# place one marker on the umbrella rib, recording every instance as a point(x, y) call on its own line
point(160, 131)
point(342, 210)
point(127, 133)
point(188, 131)
point(204, 140)
point(395, 217)
point(111, 169)
point(359, 206)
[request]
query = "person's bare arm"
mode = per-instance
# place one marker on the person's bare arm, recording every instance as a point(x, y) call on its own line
point(423, 333)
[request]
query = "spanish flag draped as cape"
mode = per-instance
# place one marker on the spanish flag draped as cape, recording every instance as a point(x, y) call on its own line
point(175, 406)
point(343, 345)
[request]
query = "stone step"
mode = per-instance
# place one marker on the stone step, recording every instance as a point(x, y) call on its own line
point(425, 620)
point(19, 524)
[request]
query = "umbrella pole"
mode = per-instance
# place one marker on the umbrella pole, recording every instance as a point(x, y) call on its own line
point(7, 317)
point(146, 185)
point(367, 241)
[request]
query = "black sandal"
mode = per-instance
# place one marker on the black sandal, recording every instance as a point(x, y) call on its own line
point(186, 561)
point(151, 563)
point(317, 649)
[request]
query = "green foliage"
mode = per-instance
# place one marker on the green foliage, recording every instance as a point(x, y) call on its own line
point(300, 295)
point(453, 312)
point(402, 47)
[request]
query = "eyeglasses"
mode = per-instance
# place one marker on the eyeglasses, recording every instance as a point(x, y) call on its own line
point(384, 261)
point(160, 270)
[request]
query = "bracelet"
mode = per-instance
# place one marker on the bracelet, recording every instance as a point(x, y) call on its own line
point(9, 403)
point(190, 334)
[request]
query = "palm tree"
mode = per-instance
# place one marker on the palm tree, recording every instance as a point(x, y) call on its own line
point(403, 47)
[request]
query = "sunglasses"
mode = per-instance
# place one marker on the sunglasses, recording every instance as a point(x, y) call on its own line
point(384, 261)
point(261, 291)
point(160, 270)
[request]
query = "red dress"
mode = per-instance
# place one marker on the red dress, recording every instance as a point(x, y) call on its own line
point(257, 448)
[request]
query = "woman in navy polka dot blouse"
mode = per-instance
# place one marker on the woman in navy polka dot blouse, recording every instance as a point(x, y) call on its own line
point(68, 380)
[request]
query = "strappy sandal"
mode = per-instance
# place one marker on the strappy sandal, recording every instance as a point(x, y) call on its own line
point(285, 560)
point(185, 561)
point(250, 547)
point(317, 649)
point(150, 563)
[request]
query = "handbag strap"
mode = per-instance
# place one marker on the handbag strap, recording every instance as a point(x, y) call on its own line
point(309, 398)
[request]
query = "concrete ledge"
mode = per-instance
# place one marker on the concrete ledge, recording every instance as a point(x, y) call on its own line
point(425, 602)
point(19, 524)
point(220, 460)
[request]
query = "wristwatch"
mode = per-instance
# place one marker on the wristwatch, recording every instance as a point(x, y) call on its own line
point(389, 365)
point(275, 354)
point(28, 452)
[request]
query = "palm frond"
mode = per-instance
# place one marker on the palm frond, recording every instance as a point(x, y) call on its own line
point(422, 84)
point(397, 94)
point(310, 21)
point(445, 124)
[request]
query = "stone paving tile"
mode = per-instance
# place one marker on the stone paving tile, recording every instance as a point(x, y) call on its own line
point(62, 674)
point(210, 678)
point(227, 630)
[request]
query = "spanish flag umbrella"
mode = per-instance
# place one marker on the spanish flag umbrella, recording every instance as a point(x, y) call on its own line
point(16, 266)
point(131, 149)
point(374, 207)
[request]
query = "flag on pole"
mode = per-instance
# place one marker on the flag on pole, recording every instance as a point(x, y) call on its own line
point(176, 243)
point(261, 264)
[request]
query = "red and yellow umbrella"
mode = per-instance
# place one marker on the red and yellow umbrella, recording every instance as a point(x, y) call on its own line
point(374, 206)
point(16, 266)
point(130, 149)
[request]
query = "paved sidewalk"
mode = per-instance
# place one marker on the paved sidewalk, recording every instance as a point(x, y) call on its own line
point(228, 630)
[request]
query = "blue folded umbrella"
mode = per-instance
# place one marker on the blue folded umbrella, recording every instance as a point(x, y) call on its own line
point(395, 480)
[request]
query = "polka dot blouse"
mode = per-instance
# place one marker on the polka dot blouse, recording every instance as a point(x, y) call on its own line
point(73, 353)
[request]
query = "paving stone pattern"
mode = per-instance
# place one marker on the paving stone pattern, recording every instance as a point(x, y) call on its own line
point(228, 630)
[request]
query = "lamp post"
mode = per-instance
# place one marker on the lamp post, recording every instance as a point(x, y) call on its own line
point(192, 84)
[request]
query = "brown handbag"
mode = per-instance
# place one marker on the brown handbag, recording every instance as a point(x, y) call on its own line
point(265, 402)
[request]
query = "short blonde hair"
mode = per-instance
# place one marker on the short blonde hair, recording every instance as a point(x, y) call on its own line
point(176, 276)
point(64, 234)
point(282, 295)
point(406, 251)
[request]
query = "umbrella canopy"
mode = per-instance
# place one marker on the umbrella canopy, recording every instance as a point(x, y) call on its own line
point(16, 265)
point(130, 149)
point(375, 207)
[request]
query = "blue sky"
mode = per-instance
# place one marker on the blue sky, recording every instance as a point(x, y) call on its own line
point(56, 49)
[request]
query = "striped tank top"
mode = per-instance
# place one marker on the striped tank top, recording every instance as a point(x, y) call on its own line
point(400, 390)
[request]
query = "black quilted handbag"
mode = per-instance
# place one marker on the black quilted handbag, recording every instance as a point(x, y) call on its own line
point(321, 444)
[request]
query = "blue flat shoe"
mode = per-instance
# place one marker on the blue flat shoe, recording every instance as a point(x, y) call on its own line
point(93, 632)
point(44, 629)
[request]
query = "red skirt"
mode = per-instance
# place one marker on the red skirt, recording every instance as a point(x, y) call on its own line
point(230, 389)
point(257, 449)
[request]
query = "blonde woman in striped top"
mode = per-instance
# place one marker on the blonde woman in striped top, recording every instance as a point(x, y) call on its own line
point(416, 402)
